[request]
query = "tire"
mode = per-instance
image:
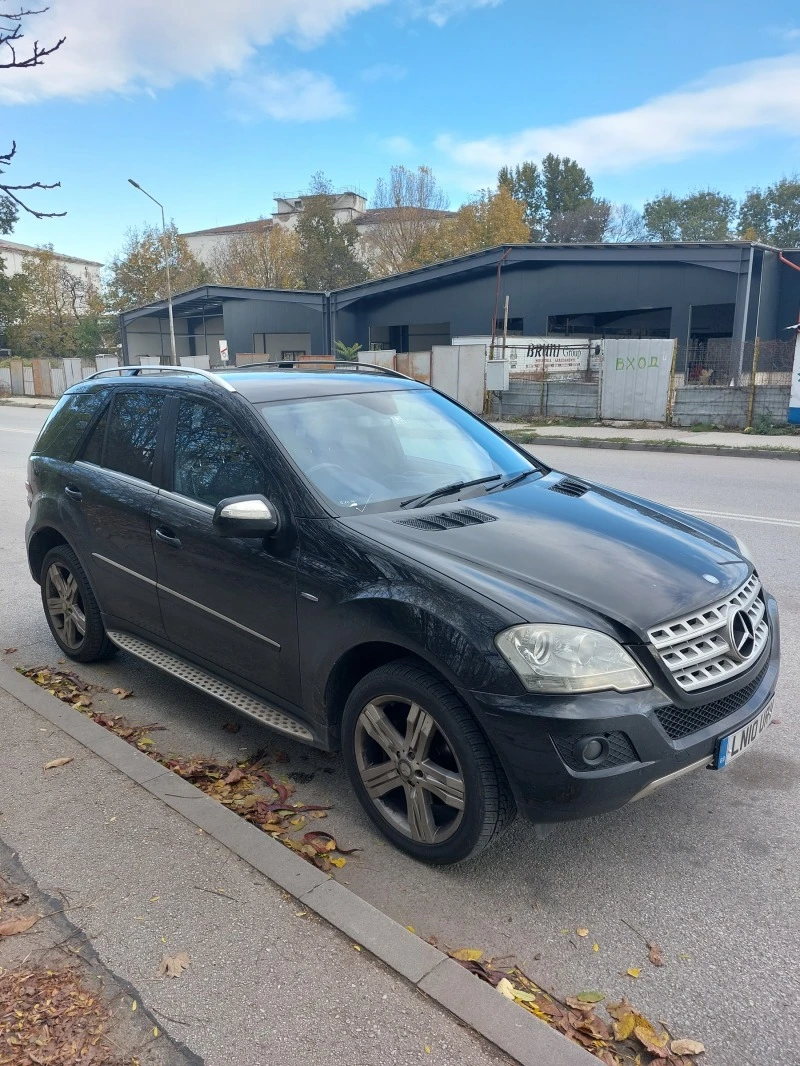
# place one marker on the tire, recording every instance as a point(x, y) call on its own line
point(71, 609)
point(421, 767)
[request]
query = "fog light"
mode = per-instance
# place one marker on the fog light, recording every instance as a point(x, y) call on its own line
point(592, 750)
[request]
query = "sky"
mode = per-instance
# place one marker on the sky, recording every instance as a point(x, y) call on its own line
point(214, 108)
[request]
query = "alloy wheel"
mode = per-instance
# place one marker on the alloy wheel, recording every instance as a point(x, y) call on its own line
point(65, 606)
point(409, 769)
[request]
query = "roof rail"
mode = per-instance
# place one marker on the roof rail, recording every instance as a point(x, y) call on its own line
point(135, 371)
point(345, 364)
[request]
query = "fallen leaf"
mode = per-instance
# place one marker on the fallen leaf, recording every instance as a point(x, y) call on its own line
point(58, 762)
point(174, 965)
point(655, 954)
point(633, 971)
point(427, 1049)
point(133, 1005)
point(467, 955)
point(595, 947)
point(505, 988)
point(338, 863)
point(357, 947)
point(9, 651)
point(582, 932)
point(123, 693)
point(411, 929)
point(155, 899)
point(16, 900)
point(155, 1030)
point(590, 997)
point(12, 926)
point(300, 914)
point(656, 1043)
point(687, 1047)
point(234, 777)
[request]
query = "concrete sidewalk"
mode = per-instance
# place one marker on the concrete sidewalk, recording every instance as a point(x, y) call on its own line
point(270, 983)
point(27, 401)
point(662, 439)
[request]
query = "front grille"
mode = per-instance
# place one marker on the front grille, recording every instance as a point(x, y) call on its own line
point(620, 751)
point(696, 649)
point(447, 520)
point(679, 722)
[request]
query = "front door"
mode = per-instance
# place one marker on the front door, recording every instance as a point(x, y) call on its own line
point(111, 493)
point(229, 601)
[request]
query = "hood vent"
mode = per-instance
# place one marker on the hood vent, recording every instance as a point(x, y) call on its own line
point(447, 520)
point(568, 487)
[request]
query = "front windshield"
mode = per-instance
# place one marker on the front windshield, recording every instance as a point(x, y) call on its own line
point(370, 450)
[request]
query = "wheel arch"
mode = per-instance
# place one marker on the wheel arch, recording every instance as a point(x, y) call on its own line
point(42, 541)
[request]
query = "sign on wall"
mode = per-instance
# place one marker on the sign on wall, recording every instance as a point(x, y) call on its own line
point(223, 350)
point(794, 395)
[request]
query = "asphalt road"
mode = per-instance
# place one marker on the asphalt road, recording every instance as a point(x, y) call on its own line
point(707, 867)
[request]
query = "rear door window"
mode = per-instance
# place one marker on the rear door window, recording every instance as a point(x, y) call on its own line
point(64, 428)
point(125, 437)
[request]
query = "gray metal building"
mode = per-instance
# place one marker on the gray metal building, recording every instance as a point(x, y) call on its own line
point(696, 293)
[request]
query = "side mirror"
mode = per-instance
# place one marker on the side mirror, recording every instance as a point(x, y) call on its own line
point(246, 516)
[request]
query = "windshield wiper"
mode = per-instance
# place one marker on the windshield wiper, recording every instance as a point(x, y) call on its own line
point(517, 477)
point(446, 490)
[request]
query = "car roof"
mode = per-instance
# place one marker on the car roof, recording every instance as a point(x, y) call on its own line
point(260, 385)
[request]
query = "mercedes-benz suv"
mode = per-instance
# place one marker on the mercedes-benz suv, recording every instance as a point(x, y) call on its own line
point(355, 560)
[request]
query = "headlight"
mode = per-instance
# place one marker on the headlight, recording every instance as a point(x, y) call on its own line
point(568, 659)
point(744, 551)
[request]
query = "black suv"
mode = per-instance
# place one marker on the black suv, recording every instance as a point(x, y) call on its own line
point(357, 561)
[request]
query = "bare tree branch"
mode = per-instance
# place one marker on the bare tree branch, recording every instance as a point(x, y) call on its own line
point(11, 32)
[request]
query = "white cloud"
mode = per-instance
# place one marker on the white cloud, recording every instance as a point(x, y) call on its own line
point(439, 12)
point(298, 96)
point(123, 45)
point(731, 106)
point(383, 72)
point(398, 145)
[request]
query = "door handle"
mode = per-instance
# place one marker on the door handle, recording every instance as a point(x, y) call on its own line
point(73, 493)
point(167, 537)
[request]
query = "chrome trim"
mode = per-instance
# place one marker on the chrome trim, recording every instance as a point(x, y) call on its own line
point(119, 566)
point(655, 785)
point(136, 371)
point(216, 614)
point(310, 596)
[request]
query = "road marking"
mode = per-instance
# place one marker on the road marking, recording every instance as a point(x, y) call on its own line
point(791, 523)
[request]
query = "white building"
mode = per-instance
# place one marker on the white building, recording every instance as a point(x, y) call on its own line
point(13, 256)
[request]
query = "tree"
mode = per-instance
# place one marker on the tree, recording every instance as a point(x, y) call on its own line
point(705, 215)
point(11, 36)
point(559, 201)
point(61, 311)
point(491, 218)
point(411, 204)
point(625, 225)
point(11, 303)
point(267, 258)
point(525, 184)
point(327, 247)
point(137, 274)
point(772, 215)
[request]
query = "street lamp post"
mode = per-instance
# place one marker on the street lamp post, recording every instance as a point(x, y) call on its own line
point(174, 355)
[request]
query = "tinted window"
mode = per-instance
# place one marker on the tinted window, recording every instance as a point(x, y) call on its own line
point(212, 459)
point(132, 432)
point(93, 449)
point(66, 425)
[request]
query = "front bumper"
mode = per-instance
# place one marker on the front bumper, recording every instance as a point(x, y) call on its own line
point(534, 737)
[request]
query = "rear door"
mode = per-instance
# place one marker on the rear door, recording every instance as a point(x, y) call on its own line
point(111, 493)
point(229, 601)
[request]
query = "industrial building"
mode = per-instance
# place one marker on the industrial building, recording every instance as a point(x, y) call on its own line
point(715, 293)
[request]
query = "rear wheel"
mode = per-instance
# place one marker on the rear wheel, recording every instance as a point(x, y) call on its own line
point(71, 609)
point(421, 766)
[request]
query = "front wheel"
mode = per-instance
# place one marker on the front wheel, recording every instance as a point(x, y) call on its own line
point(421, 767)
point(71, 609)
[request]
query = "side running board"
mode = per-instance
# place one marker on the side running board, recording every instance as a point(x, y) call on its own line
point(214, 686)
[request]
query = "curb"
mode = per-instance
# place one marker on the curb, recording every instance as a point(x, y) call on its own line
point(674, 447)
point(513, 1030)
point(34, 405)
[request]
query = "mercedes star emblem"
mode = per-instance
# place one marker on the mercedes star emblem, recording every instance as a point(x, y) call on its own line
point(741, 635)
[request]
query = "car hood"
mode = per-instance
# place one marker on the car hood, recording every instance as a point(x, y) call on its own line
point(624, 558)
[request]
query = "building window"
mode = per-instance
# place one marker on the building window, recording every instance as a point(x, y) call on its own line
point(514, 327)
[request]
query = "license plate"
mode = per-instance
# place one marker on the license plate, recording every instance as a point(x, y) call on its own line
point(732, 746)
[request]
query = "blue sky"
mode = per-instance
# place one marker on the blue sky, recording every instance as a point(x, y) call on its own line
point(214, 108)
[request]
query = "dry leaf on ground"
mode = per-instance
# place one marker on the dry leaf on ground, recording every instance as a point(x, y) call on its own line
point(633, 971)
point(467, 955)
point(9, 651)
point(655, 954)
point(12, 926)
point(58, 762)
point(590, 997)
point(174, 965)
point(582, 931)
point(687, 1047)
point(123, 693)
point(656, 1043)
